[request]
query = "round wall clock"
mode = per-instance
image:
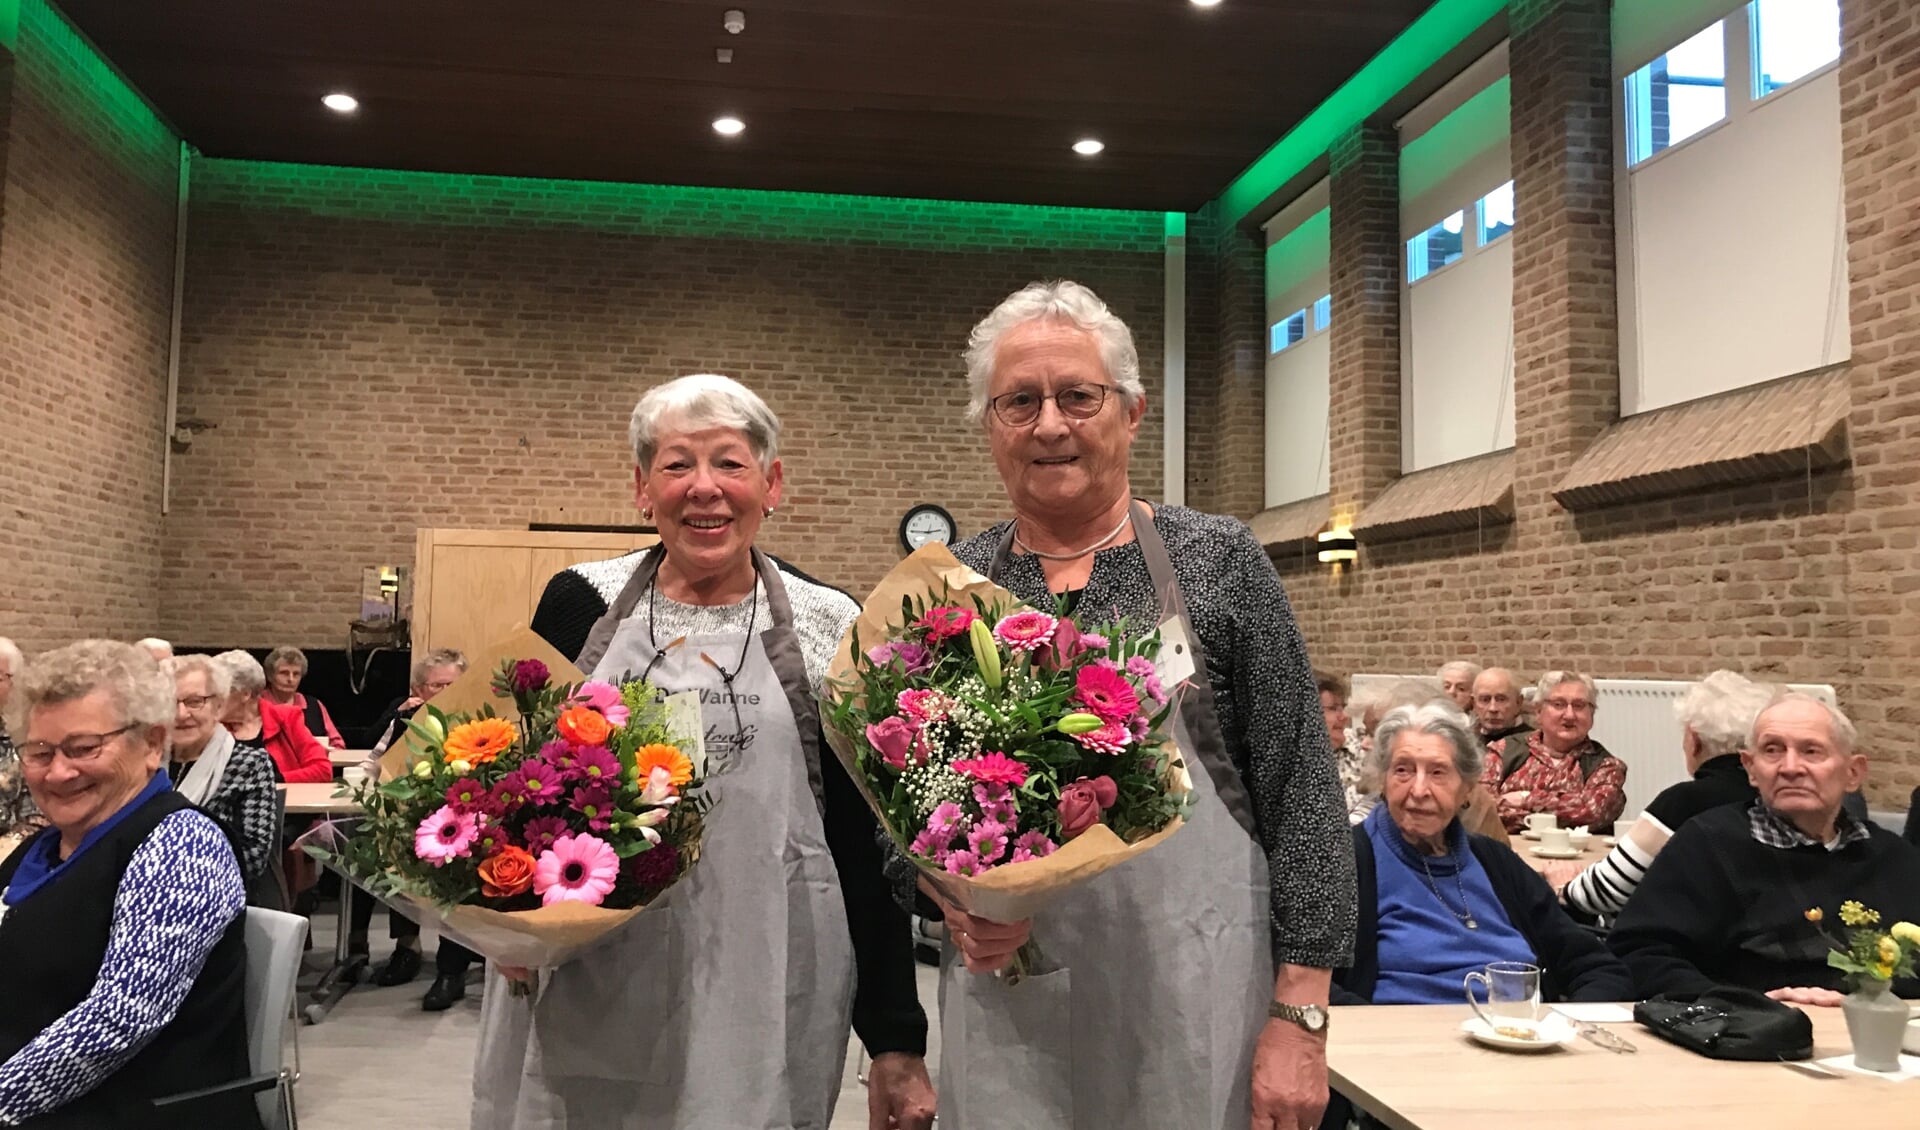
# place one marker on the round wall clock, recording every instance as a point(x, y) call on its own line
point(927, 523)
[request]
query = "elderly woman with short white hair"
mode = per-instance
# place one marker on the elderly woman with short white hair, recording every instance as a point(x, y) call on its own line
point(229, 780)
point(18, 816)
point(1560, 769)
point(121, 924)
point(1194, 980)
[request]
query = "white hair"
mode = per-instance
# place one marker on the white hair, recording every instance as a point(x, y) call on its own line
point(219, 675)
point(1720, 710)
point(154, 644)
point(1063, 301)
point(142, 694)
point(244, 673)
point(697, 402)
point(1839, 726)
point(1461, 668)
point(1553, 679)
point(1439, 717)
point(440, 657)
point(1513, 681)
point(10, 656)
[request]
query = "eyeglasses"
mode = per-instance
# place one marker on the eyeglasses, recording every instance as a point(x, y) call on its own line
point(1078, 402)
point(79, 748)
point(197, 702)
point(1563, 706)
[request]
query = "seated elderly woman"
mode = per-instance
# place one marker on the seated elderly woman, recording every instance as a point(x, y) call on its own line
point(1437, 903)
point(1559, 768)
point(1726, 902)
point(1456, 682)
point(1479, 811)
point(281, 729)
point(1716, 715)
point(286, 668)
point(18, 816)
point(121, 924)
point(228, 779)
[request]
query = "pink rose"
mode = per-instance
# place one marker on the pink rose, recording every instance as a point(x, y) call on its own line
point(898, 739)
point(1066, 647)
point(1083, 802)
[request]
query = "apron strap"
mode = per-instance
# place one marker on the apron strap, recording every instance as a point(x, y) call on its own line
point(622, 607)
point(1205, 740)
point(782, 645)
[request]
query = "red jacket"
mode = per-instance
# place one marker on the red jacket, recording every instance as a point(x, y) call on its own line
point(299, 755)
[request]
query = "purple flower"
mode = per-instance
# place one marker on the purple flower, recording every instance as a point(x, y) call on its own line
point(595, 763)
point(653, 868)
point(913, 658)
point(541, 831)
point(595, 802)
point(539, 781)
point(510, 792)
point(530, 675)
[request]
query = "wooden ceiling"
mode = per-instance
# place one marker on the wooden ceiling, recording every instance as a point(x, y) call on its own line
point(956, 99)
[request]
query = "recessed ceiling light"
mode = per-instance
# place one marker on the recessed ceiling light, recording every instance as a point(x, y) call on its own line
point(728, 127)
point(1089, 146)
point(1206, 3)
point(341, 103)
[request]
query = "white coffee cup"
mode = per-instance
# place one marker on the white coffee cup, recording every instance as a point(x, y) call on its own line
point(1556, 839)
point(1578, 839)
point(1541, 821)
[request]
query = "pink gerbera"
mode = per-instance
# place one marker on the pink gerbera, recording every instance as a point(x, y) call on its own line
point(1026, 631)
point(1104, 692)
point(1113, 737)
point(1031, 845)
point(994, 769)
point(445, 835)
point(576, 869)
point(945, 622)
point(605, 698)
point(926, 705)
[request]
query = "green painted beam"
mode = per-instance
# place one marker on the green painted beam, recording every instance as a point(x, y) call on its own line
point(10, 25)
point(1442, 28)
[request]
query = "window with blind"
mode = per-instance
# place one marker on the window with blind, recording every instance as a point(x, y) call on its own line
point(1299, 313)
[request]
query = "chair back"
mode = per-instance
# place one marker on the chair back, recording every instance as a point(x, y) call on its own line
point(1912, 830)
point(274, 944)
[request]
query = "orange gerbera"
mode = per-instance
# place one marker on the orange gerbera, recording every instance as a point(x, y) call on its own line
point(679, 768)
point(479, 741)
point(583, 726)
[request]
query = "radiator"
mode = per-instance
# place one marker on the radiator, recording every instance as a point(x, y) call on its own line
point(1634, 720)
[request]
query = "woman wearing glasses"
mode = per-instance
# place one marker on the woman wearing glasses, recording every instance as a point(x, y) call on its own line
point(121, 924)
point(229, 780)
point(18, 817)
point(1192, 983)
point(727, 1003)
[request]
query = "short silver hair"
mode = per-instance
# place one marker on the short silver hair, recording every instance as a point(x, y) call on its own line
point(244, 673)
point(1460, 667)
point(287, 653)
point(10, 657)
point(1062, 301)
point(1406, 692)
point(443, 657)
point(1845, 737)
point(219, 675)
point(1552, 679)
point(155, 643)
point(1720, 710)
point(703, 400)
point(142, 693)
point(1513, 681)
point(1442, 719)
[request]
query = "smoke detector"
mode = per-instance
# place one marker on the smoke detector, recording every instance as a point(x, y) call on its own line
point(723, 54)
point(734, 20)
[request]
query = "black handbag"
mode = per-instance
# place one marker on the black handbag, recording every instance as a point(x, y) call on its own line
point(1726, 1022)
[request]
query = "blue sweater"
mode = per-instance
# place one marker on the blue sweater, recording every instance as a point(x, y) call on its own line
point(1425, 950)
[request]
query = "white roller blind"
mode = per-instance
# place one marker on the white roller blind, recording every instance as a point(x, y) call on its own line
point(1299, 250)
point(1455, 146)
point(1644, 30)
point(1459, 351)
point(1297, 421)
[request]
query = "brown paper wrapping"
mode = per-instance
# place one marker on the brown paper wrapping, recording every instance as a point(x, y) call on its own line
point(1013, 891)
point(533, 939)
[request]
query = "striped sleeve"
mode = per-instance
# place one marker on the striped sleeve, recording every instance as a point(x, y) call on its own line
point(1604, 888)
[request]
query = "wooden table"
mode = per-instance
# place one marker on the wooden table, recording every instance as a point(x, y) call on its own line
point(1411, 1067)
point(342, 758)
point(316, 798)
point(1559, 871)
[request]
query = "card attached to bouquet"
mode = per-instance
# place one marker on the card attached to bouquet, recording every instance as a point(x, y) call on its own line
point(683, 716)
point(1174, 665)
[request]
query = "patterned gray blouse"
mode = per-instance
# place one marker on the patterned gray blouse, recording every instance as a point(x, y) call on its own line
point(1264, 692)
point(18, 814)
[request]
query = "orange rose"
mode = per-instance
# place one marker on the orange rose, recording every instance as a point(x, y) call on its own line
point(506, 873)
point(583, 726)
point(651, 757)
point(479, 741)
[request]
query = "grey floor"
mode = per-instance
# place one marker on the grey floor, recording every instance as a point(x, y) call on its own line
point(379, 1063)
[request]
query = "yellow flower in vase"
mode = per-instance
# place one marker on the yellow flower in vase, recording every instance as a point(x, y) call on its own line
point(1889, 953)
point(1854, 914)
point(1907, 932)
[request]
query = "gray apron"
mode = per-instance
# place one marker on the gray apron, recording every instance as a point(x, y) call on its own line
point(726, 1005)
point(1164, 965)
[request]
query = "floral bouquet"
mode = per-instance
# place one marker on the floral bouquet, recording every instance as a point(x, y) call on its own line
point(532, 837)
point(1870, 955)
point(1011, 753)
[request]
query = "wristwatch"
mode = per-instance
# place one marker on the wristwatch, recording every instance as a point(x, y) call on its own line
point(1311, 1017)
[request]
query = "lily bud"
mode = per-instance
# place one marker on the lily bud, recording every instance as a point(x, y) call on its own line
point(431, 725)
point(423, 770)
point(459, 767)
point(986, 653)
point(1079, 723)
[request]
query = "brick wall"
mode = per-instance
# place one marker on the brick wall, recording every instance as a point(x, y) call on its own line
point(86, 276)
point(369, 353)
point(1811, 579)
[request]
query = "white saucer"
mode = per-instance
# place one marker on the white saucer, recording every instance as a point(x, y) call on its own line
point(1911, 1044)
point(1554, 1031)
point(1529, 834)
point(1556, 853)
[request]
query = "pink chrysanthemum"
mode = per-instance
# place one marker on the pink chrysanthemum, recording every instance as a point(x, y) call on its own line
point(1026, 631)
point(988, 841)
point(926, 705)
point(994, 769)
point(576, 869)
point(595, 802)
point(1139, 666)
point(1032, 845)
point(596, 764)
point(1110, 738)
point(963, 863)
point(467, 795)
point(1106, 693)
point(541, 832)
point(444, 836)
point(945, 820)
point(1094, 641)
point(996, 802)
point(539, 782)
point(945, 622)
point(930, 845)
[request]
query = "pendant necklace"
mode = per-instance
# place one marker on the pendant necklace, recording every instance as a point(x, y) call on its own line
point(1467, 918)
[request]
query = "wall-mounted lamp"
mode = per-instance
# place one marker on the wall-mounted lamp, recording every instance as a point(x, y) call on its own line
point(1338, 544)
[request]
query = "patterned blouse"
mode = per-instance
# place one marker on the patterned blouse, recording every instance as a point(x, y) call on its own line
point(18, 814)
point(246, 804)
point(180, 892)
point(1264, 692)
point(1555, 784)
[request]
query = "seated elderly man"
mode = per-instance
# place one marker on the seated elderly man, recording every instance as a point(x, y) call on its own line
point(1496, 708)
point(121, 925)
point(18, 816)
point(1726, 902)
point(1716, 715)
point(1456, 682)
point(1559, 768)
point(1437, 903)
